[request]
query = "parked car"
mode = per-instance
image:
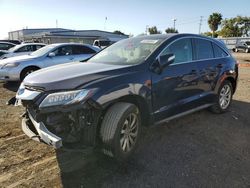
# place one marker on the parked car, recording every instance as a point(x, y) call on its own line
point(17, 68)
point(242, 47)
point(22, 49)
point(102, 43)
point(133, 83)
point(11, 41)
point(6, 45)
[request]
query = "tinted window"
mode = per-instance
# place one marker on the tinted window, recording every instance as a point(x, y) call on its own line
point(63, 50)
point(204, 49)
point(36, 47)
point(27, 48)
point(182, 49)
point(82, 50)
point(5, 46)
point(218, 52)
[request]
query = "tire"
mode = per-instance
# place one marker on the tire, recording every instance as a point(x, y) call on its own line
point(27, 71)
point(247, 50)
point(236, 50)
point(225, 94)
point(121, 121)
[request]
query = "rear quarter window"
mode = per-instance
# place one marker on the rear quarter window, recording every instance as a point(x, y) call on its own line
point(218, 52)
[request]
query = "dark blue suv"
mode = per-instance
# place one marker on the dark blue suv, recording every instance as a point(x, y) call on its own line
point(135, 82)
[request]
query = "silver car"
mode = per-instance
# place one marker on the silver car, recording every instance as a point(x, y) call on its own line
point(17, 68)
point(22, 49)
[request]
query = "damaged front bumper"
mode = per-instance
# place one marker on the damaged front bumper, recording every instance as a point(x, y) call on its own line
point(62, 125)
point(38, 132)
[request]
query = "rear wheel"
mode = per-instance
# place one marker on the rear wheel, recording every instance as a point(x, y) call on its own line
point(223, 98)
point(120, 130)
point(27, 71)
point(247, 50)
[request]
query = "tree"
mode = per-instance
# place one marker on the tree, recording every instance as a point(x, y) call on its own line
point(230, 28)
point(171, 30)
point(118, 32)
point(153, 30)
point(210, 34)
point(214, 21)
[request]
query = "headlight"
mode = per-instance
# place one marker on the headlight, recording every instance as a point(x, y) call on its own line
point(10, 65)
point(66, 98)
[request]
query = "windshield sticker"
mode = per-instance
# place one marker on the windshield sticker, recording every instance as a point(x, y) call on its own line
point(149, 41)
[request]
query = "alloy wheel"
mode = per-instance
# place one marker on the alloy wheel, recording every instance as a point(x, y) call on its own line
point(225, 96)
point(129, 132)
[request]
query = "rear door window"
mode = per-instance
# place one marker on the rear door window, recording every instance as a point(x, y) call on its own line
point(203, 49)
point(36, 47)
point(27, 48)
point(218, 52)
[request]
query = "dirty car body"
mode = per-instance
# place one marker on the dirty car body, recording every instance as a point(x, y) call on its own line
point(66, 104)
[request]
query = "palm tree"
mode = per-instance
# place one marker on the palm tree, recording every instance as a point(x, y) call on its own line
point(214, 21)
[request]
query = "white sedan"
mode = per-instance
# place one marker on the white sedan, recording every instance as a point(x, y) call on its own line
point(22, 49)
point(17, 68)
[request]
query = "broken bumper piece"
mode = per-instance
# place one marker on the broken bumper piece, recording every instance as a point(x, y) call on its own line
point(38, 132)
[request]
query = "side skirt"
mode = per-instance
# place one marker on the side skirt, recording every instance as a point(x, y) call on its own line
point(183, 114)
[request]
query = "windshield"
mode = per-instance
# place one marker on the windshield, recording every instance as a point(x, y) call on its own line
point(42, 51)
point(128, 51)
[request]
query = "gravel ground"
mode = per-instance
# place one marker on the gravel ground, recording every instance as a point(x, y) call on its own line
point(199, 150)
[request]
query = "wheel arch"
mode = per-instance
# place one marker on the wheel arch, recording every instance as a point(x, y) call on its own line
point(27, 68)
point(233, 82)
point(137, 100)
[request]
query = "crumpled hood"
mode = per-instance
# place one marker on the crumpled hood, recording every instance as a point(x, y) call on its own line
point(69, 76)
point(19, 59)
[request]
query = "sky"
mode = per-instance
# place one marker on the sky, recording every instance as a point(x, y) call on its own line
point(128, 16)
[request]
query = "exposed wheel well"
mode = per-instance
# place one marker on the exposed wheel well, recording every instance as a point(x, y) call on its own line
point(28, 68)
point(139, 102)
point(233, 82)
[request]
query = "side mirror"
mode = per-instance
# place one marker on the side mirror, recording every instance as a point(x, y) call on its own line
point(165, 60)
point(51, 54)
point(162, 62)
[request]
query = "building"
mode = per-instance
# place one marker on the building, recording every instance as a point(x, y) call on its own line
point(59, 35)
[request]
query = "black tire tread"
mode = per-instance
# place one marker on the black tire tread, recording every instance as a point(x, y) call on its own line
point(110, 123)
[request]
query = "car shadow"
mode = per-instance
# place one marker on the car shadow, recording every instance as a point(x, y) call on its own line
point(199, 150)
point(12, 86)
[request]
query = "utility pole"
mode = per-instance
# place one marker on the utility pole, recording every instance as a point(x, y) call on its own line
point(200, 24)
point(105, 21)
point(146, 31)
point(174, 22)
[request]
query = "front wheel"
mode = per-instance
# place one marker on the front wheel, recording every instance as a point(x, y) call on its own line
point(247, 50)
point(27, 71)
point(223, 98)
point(120, 130)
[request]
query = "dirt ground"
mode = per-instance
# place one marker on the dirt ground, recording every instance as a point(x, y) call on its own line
point(199, 150)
